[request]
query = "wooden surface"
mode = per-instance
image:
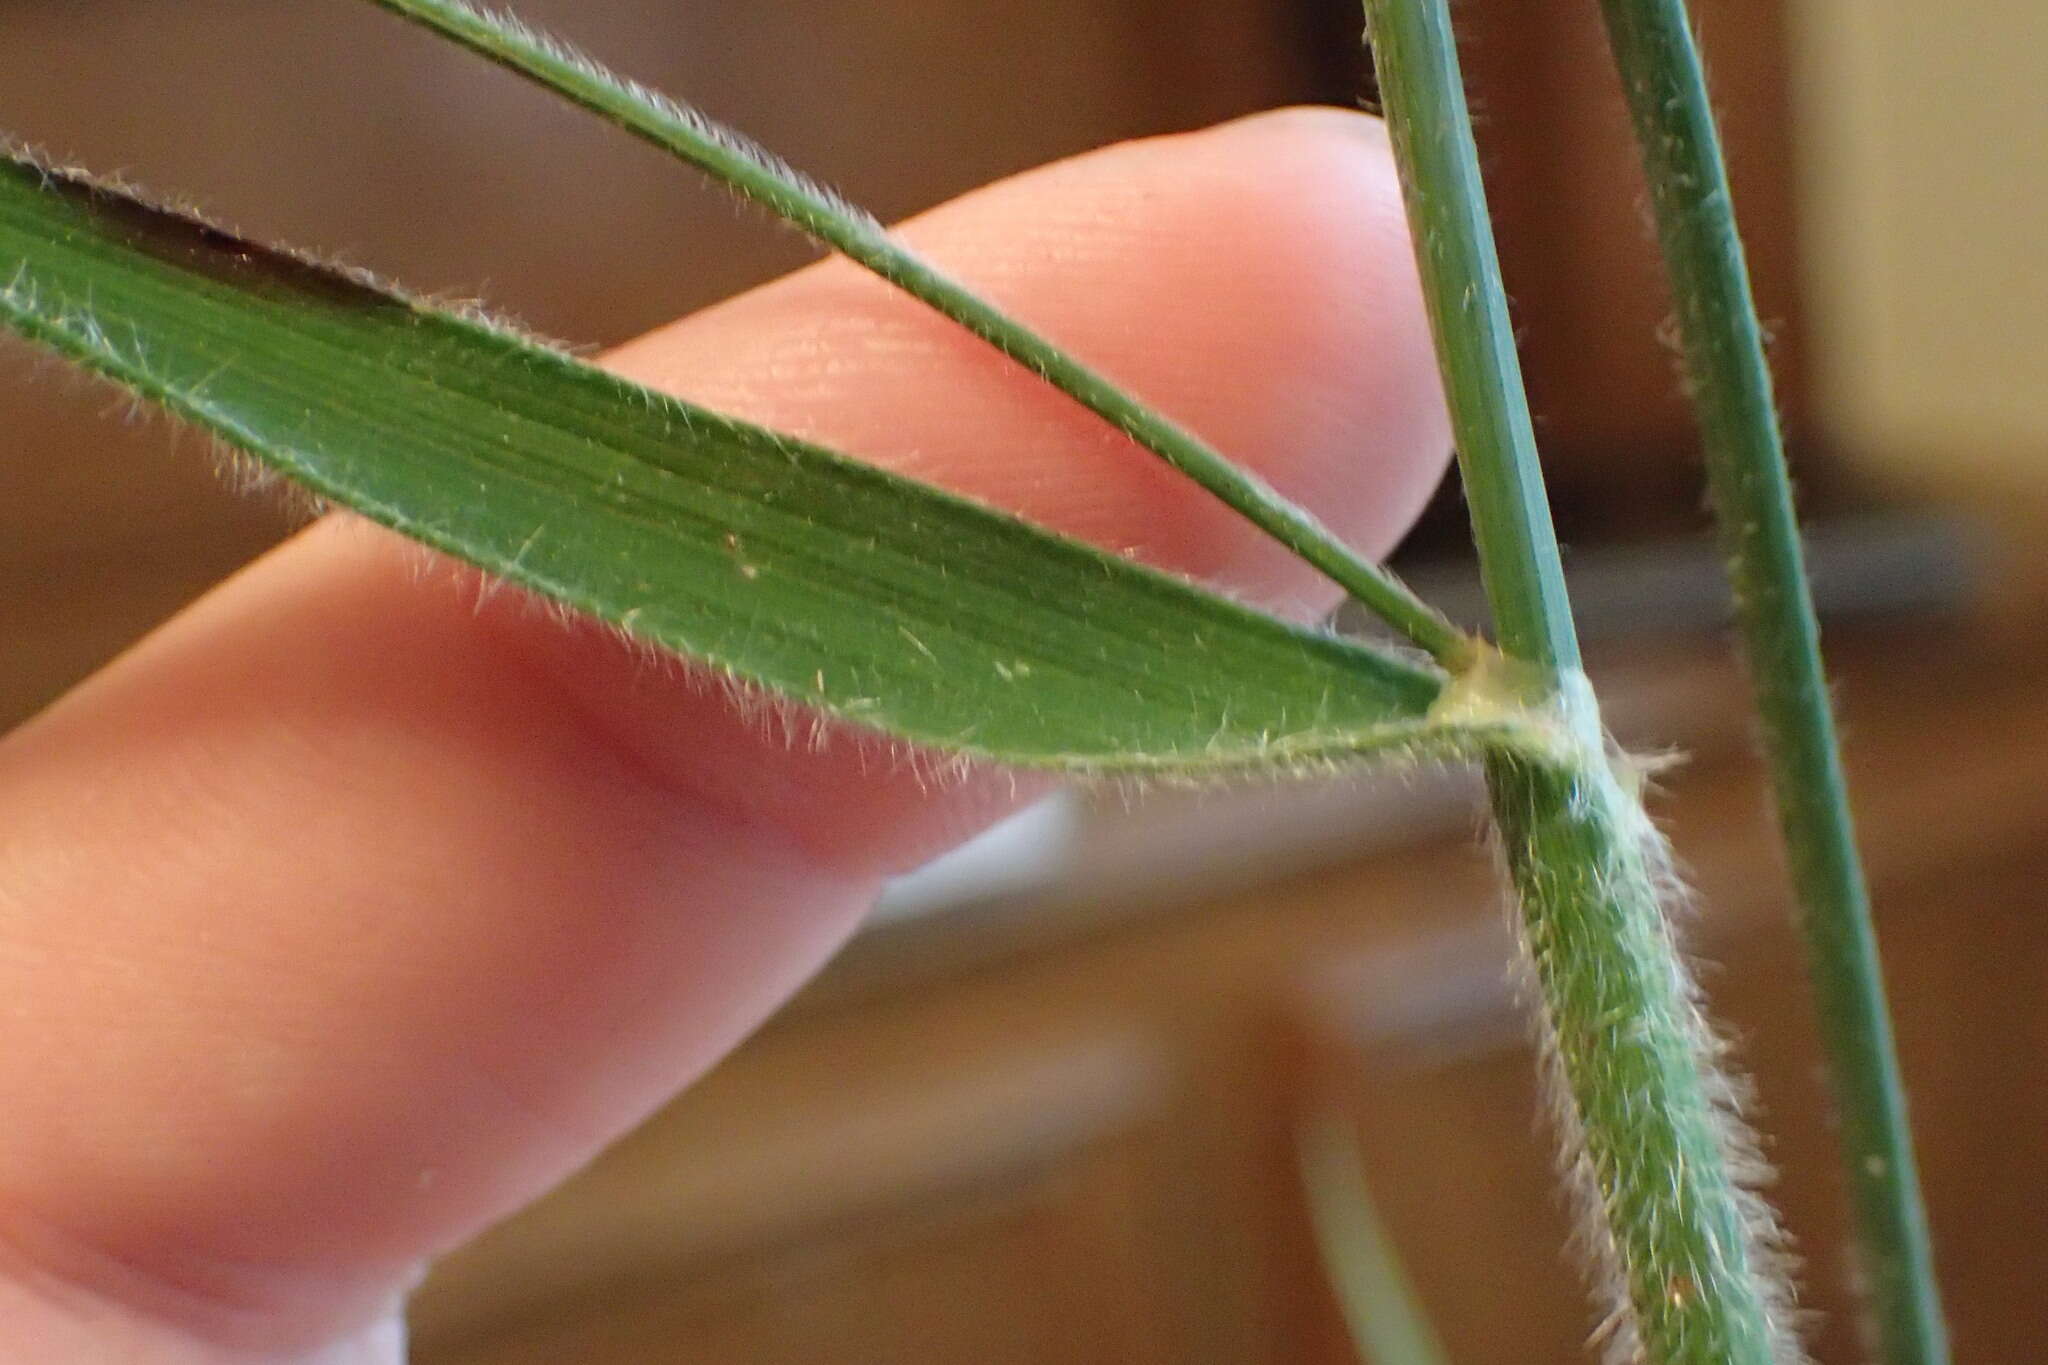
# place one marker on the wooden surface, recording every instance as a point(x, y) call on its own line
point(1078, 1146)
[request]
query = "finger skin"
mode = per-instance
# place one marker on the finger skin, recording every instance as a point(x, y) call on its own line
point(351, 910)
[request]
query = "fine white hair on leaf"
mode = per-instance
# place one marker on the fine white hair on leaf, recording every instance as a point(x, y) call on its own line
point(241, 473)
point(245, 475)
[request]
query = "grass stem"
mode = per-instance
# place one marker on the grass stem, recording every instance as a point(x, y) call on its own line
point(1432, 131)
point(1681, 1250)
point(1681, 1254)
point(1752, 497)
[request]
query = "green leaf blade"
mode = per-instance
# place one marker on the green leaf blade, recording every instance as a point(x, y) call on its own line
point(760, 177)
point(830, 581)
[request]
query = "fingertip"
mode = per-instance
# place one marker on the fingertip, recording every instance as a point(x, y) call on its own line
point(1340, 125)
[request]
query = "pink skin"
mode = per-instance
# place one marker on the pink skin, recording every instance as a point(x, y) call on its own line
point(343, 916)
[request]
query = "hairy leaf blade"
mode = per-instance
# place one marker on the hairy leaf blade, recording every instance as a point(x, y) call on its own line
point(828, 580)
point(759, 176)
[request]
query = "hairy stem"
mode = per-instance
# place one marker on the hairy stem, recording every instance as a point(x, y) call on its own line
point(1752, 498)
point(733, 159)
point(1431, 128)
point(1682, 1249)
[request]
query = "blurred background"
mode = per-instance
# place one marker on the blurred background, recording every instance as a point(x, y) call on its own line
point(1050, 1106)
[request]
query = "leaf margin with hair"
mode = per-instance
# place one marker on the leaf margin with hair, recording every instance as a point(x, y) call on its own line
point(1103, 665)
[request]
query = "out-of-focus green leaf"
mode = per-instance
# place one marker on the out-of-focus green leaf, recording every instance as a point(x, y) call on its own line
point(828, 580)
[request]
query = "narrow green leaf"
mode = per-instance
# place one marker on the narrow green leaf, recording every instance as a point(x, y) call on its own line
point(737, 162)
point(828, 580)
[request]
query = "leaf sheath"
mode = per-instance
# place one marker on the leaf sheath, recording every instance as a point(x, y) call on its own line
point(1682, 1253)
